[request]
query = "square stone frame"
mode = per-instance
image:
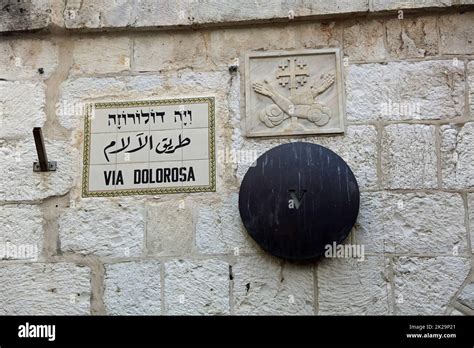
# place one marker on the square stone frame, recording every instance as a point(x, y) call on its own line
point(339, 73)
point(211, 100)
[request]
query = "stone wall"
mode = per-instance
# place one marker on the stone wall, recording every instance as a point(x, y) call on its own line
point(409, 86)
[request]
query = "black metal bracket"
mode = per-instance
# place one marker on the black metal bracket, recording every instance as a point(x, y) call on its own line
point(42, 165)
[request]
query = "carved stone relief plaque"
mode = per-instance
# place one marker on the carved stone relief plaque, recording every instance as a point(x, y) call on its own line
point(294, 92)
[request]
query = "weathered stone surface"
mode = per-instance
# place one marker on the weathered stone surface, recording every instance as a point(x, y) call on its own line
point(22, 59)
point(358, 146)
point(112, 54)
point(457, 155)
point(232, 11)
point(235, 117)
point(21, 108)
point(169, 227)
point(75, 92)
point(197, 287)
point(264, 285)
point(466, 297)
point(105, 228)
point(382, 5)
point(412, 37)
point(412, 223)
point(20, 183)
point(97, 14)
point(409, 156)
point(470, 204)
point(249, 39)
point(44, 289)
point(470, 77)
point(369, 229)
point(24, 15)
point(351, 287)
point(425, 286)
point(169, 13)
point(457, 33)
point(219, 228)
point(456, 312)
point(171, 51)
point(83, 14)
point(319, 35)
point(294, 36)
point(428, 90)
point(363, 40)
point(133, 288)
point(21, 231)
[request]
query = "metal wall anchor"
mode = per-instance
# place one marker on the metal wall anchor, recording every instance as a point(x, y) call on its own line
point(42, 165)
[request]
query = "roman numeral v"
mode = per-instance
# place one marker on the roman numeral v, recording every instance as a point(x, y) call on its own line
point(297, 199)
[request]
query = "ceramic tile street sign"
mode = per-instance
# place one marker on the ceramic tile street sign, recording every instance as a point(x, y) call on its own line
point(294, 92)
point(149, 147)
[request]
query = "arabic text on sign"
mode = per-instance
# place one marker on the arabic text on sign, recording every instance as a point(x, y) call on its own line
point(164, 145)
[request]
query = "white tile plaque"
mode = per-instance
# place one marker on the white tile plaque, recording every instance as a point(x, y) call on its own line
point(294, 93)
point(149, 147)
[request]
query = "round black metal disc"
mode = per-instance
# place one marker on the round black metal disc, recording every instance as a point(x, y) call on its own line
point(299, 198)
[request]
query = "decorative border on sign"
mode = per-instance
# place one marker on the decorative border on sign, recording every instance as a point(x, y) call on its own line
point(145, 191)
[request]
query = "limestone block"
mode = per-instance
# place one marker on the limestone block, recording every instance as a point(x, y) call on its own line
point(169, 227)
point(383, 5)
point(363, 40)
point(113, 228)
point(171, 13)
point(133, 288)
point(27, 59)
point(219, 228)
point(294, 36)
point(44, 289)
point(347, 286)
point(20, 183)
point(470, 204)
point(24, 15)
point(466, 297)
point(197, 287)
point(456, 33)
point(412, 223)
point(21, 231)
point(173, 51)
point(470, 79)
point(21, 108)
point(264, 285)
point(412, 37)
point(428, 90)
point(101, 55)
point(425, 285)
point(457, 155)
point(409, 156)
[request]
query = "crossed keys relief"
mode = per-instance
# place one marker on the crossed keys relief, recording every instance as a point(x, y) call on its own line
point(294, 92)
point(292, 73)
